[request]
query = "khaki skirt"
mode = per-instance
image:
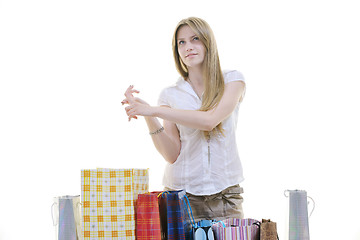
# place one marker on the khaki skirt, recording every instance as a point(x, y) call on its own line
point(219, 206)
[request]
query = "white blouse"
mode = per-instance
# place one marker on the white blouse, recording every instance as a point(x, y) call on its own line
point(196, 171)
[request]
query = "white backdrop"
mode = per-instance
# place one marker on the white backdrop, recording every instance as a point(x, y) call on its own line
point(65, 65)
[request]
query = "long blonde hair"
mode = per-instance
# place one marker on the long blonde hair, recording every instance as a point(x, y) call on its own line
point(214, 80)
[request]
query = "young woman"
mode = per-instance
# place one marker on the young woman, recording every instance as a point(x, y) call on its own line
point(197, 137)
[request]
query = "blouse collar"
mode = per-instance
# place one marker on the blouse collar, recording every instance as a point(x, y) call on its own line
point(185, 86)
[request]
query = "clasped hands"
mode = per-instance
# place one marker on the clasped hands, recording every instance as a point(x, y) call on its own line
point(136, 106)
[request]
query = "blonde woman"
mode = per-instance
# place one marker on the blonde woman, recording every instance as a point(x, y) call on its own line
point(197, 137)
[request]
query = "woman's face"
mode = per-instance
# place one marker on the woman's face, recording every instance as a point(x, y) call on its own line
point(191, 49)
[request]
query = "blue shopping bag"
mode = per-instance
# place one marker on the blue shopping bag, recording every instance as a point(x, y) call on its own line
point(173, 215)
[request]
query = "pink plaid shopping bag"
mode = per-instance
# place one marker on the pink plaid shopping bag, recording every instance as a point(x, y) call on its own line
point(148, 217)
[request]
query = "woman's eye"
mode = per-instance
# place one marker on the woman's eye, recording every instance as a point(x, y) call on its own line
point(196, 38)
point(181, 42)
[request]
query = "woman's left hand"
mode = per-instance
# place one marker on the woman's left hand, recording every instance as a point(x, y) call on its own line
point(137, 106)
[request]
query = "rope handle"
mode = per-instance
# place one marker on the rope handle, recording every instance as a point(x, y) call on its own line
point(77, 205)
point(191, 216)
point(52, 214)
point(313, 206)
point(160, 194)
point(313, 201)
point(222, 223)
point(189, 210)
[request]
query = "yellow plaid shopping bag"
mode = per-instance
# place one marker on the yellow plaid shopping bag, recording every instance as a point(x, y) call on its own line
point(108, 202)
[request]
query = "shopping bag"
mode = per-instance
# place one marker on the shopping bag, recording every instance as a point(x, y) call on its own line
point(109, 200)
point(237, 229)
point(174, 223)
point(66, 214)
point(268, 230)
point(202, 230)
point(148, 217)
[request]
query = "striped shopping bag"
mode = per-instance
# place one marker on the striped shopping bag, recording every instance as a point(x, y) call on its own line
point(237, 229)
point(148, 217)
point(108, 202)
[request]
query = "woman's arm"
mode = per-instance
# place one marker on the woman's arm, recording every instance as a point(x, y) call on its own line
point(166, 142)
point(202, 120)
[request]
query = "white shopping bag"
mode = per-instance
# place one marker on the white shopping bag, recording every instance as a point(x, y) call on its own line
point(66, 214)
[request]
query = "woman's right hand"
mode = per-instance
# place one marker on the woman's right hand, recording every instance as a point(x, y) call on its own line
point(137, 106)
point(168, 142)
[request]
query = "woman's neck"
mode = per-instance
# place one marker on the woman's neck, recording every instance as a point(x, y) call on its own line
point(196, 77)
point(196, 80)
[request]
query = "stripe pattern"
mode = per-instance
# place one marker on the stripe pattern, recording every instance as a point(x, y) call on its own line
point(237, 229)
point(109, 199)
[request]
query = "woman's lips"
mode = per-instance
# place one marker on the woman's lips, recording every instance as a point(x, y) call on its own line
point(191, 54)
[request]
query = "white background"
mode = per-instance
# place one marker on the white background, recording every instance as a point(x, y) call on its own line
point(64, 66)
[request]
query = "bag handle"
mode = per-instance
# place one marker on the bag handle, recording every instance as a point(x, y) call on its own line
point(221, 222)
point(188, 209)
point(160, 194)
point(312, 210)
point(52, 214)
point(313, 201)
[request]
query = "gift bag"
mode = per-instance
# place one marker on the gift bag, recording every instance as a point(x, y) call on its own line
point(268, 230)
point(148, 217)
point(237, 229)
point(174, 223)
point(203, 230)
point(109, 199)
point(66, 214)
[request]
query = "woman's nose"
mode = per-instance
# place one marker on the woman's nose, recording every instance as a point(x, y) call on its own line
point(189, 47)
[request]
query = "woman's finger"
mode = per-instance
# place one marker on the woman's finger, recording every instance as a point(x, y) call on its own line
point(131, 100)
point(130, 117)
point(131, 112)
point(128, 91)
point(128, 94)
point(131, 90)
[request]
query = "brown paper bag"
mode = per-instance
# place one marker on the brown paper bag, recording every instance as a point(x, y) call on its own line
point(268, 230)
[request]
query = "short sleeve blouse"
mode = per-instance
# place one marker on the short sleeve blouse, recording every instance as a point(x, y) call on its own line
point(194, 171)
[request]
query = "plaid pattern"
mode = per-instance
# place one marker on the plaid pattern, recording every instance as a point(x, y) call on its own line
point(237, 229)
point(148, 217)
point(109, 197)
point(172, 214)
